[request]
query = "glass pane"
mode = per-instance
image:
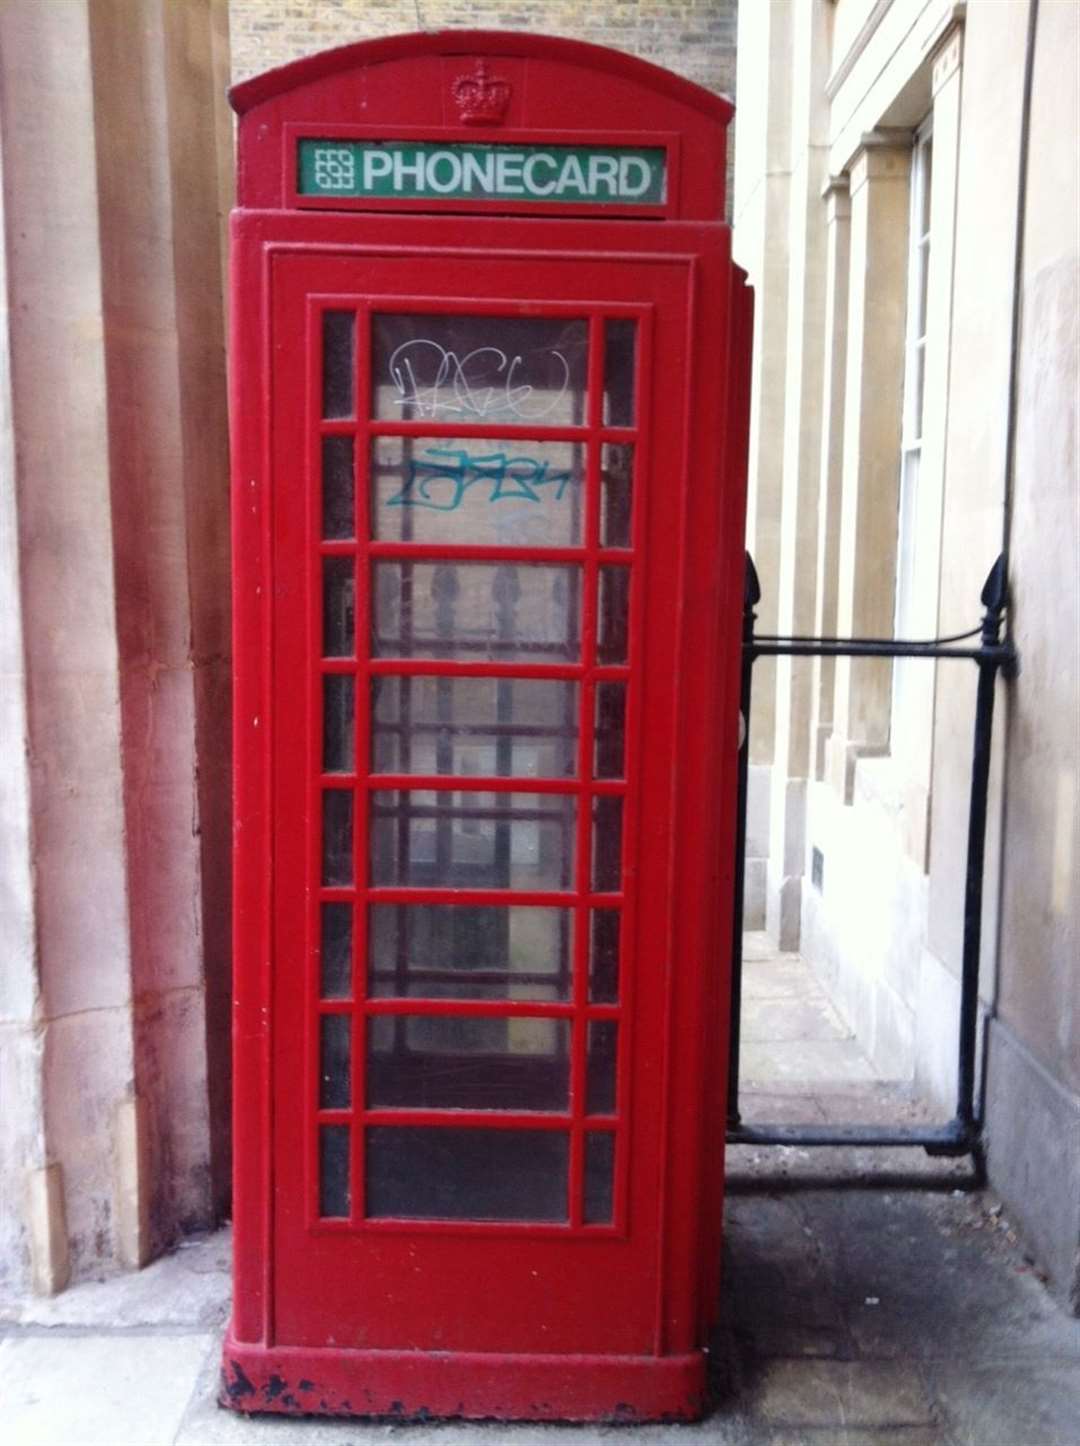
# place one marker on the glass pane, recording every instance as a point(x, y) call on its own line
point(479, 727)
point(334, 1170)
point(600, 1068)
point(513, 370)
point(502, 494)
point(607, 845)
point(339, 607)
point(337, 837)
point(334, 1091)
point(450, 1063)
point(599, 1177)
point(472, 840)
point(336, 952)
point(926, 157)
point(339, 344)
point(620, 346)
point(610, 730)
point(616, 494)
point(339, 709)
point(467, 1174)
point(613, 615)
point(468, 951)
point(337, 487)
point(476, 611)
point(604, 957)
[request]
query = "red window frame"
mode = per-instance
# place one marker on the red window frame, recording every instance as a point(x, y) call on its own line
point(593, 433)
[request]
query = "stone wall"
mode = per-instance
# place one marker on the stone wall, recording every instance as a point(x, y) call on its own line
point(114, 643)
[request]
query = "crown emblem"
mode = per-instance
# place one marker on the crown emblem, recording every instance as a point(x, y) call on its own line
point(481, 97)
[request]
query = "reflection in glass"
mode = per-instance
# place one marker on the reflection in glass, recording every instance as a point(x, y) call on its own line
point(613, 616)
point(604, 957)
point(607, 845)
point(616, 494)
point(339, 607)
point(339, 338)
point(467, 1174)
point(339, 709)
point(610, 730)
point(620, 346)
point(478, 491)
point(480, 727)
point(334, 1031)
point(337, 837)
point(468, 951)
point(510, 612)
point(337, 487)
point(468, 840)
point(334, 1171)
point(599, 1177)
point(436, 1062)
point(336, 951)
point(600, 1068)
point(513, 370)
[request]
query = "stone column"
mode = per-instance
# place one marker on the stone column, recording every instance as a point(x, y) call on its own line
point(798, 501)
point(873, 396)
point(761, 212)
point(837, 262)
point(115, 345)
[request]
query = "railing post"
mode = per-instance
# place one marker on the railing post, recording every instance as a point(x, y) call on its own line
point(751, 598)
point(994, 598)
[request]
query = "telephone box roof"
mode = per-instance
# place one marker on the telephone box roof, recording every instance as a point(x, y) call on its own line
point(598, 58)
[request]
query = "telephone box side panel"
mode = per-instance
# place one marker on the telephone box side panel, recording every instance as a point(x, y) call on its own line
point(699, 973)
point(250, 390)
point(733, 526)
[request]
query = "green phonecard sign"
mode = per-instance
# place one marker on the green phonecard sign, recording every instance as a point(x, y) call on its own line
point(399, 170)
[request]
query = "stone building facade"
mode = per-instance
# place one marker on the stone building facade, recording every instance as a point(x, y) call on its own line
point(878, 210)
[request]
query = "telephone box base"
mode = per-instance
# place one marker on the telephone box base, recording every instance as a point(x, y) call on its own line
point(420, 1385)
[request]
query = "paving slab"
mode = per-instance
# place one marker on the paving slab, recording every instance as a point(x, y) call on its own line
point(847, 1393)
point(189, 1287)
point(98, 1390)
point(1008, 1403)
point(771, 1021)
point(805, 1062)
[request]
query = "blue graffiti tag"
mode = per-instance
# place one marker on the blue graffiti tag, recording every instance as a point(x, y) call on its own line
point(442, 486)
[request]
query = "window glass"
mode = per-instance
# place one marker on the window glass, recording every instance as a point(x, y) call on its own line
point(457, 839)
point(440, 1062)
point(476, 612)
point(467, 1174)
point(481, 727)
point(513, 370)
point(482, 491)
point(468, 951)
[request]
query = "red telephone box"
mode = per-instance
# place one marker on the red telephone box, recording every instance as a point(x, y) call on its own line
point(489, 396)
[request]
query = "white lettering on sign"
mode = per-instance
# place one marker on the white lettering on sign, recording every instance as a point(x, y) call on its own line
point(548, 173)
point(533, 185)
point(377, 164)
point(627, 166)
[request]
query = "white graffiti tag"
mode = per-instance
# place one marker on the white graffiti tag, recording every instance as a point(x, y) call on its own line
point(430, 380)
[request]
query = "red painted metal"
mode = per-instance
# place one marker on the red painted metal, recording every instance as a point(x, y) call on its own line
point(549, 1319)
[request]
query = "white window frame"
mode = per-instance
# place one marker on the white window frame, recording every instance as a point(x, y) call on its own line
point(920, 230)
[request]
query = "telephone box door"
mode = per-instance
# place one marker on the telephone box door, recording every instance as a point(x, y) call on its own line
point(477, 546)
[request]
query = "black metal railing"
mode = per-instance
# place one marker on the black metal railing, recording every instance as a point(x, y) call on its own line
point(991, 654)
